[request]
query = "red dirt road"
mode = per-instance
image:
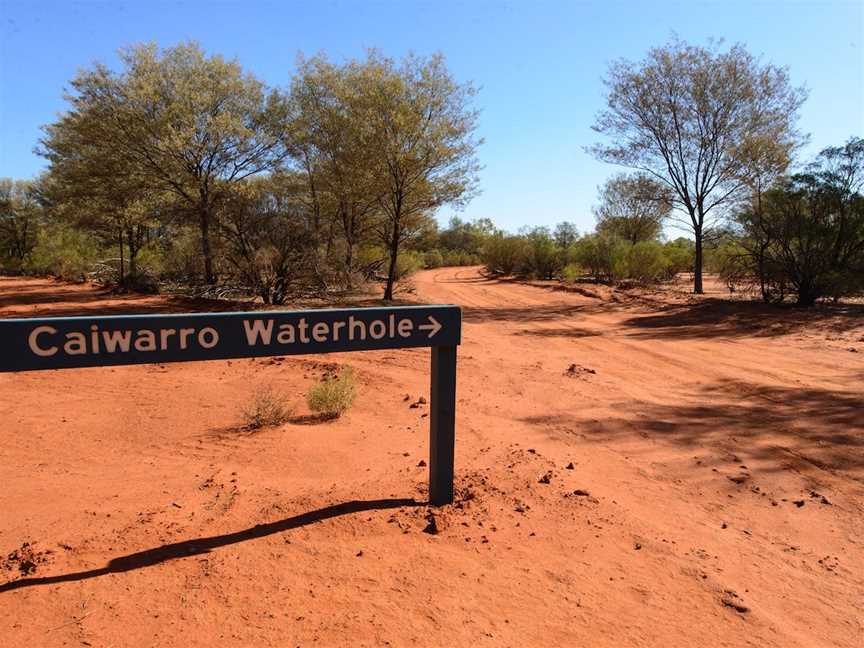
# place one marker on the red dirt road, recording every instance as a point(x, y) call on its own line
point(715, 498)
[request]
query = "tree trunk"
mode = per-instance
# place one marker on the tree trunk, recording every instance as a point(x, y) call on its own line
point(394, 252)
point(122, 261)
point(209, 277)
point(806, 295)
point(132, 242)
point(762, 283)
point(697, 266)
point(349, 261)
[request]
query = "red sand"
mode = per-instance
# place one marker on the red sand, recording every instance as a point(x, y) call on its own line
point(717, 451)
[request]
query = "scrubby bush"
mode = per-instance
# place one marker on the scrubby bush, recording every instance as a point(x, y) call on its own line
point(375, 260)
point(267, 407)
point(63, 252)
point(433, 259)
point(602, 255)
point(407, 263)
point(543, 258)
point(454, 258)
point(334, 395)
point(504, 253)
point(807, 231)
point(731, 262)
point(572, 272)
point(646, 262)
point(680, 256)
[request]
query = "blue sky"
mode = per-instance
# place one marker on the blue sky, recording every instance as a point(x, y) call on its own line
point(538, 64)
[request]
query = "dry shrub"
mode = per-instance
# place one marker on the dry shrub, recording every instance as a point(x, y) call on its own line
point(334, 395)
point(267, 407)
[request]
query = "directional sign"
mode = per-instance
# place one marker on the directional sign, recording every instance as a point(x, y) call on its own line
point(72, 342)
point(67, 342)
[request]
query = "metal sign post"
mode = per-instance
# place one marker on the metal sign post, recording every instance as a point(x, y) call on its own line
point(75, 342)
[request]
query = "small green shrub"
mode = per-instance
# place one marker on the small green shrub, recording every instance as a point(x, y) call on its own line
point(646, 262)
point(602, 255)
point(433, 259)
point(266, 408)
point(572, 272)
point(680, 255)
point(408, 262)
point(453, 258)
point(544, 259)
point(64, 252)
point(504, 253)
point(334, 395)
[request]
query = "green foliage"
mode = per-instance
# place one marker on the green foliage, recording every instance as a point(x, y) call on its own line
point(180, 255)
point(602, 255)
point(271, 250)
point(460, 258)
point(20, 220)
point(408, 263)
point(433, 259)
point(504, 253)
point(424, 130)
point(731, 261)
point(334, 395)
point(64, 252)
point(565, 235)
point(543, 259)
point(572, 272)
point(152, 260)
point(700, 120)
point(646, 262)
point(807, 231)
point(633, 208)
point(175, 124)
point(680, 255)
point(266, 408)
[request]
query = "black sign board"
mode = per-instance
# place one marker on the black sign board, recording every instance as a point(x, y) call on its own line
point(72, 342)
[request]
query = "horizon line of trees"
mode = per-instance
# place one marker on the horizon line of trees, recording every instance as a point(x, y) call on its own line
point(181, 168)
point(190, 163)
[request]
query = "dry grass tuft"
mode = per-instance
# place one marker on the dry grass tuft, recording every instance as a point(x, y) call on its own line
point(266, 408)
point(333, 396)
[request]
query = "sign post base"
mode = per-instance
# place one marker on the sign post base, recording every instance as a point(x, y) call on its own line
point(442, 425)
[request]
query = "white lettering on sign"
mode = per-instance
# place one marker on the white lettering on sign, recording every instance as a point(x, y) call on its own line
point(45, 340)
point(262, 332)
point(34, 341)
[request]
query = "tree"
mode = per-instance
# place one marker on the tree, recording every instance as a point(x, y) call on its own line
point(565, 234)
point(688, 116)
point(99, 193)
point(633, 207)
point(467, 237)
point(20, 212)
point(602, 255)
point(543, 259)
point(812, 226)
point(176, 121)
point(423, 141)
point(504, 253)
point(268, 241)
point(332, 140)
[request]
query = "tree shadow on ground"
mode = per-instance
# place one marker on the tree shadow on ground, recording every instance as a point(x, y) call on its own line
point(65, 300)
point(721, 318)
point(571, 332)
point(777, 426)
point(196, 546)
point(531, 313)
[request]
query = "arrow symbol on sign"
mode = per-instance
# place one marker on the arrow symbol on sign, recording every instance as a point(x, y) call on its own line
point(433, 327)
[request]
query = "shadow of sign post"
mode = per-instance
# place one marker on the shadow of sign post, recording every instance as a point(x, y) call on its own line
point(75, 342)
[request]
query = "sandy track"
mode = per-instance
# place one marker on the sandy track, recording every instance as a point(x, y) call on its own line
point(723, 464)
